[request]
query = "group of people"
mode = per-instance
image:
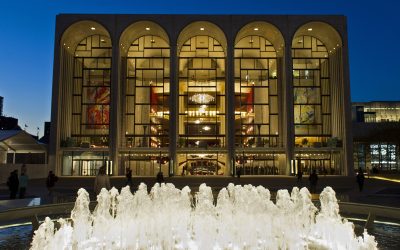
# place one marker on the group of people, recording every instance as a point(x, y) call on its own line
point(18, 184)
point(313, 178)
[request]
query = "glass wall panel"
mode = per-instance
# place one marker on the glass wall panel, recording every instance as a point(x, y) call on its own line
point(259, 163)
point(324, 163)
point(312, 97)
point(201, 164)
point(384, 156)
point(79, 163)
point(145, 164)
point(256, 93)
point(147, 92)
point(202, 93)
point(91, 93)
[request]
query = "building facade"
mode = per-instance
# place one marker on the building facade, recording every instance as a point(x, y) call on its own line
point(376, 127)
point(201, 95)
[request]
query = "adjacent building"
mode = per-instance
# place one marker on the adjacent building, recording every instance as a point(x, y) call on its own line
point(376, 128)
point(201, 95)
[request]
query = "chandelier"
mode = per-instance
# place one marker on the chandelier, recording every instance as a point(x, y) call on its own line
point(202, 98)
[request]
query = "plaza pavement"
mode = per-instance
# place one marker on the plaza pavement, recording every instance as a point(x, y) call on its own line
point(376, 191)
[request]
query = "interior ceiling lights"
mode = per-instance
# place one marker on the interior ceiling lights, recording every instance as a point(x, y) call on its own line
point(202, 98)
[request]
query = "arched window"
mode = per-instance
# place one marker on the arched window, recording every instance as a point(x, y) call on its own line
point(147, 93)
point(312, 91)
point(202, 101)
point(202, 93)
point(91, 92)
point(256, 93)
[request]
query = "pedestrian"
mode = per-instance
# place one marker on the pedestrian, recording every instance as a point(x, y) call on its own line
point(360, 179)
point(23, 183)
point(299, 176)
point(313, 178)
point(238, 172)
point(102, 180)
point(160, 177)
point(128, 177)
point(51, 182)
point(13, 184)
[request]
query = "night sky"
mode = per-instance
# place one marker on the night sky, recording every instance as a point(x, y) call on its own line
point(27, 43)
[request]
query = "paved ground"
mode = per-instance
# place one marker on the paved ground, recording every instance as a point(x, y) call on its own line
point(376, 191)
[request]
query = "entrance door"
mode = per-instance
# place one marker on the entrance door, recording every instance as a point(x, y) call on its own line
point(201, 164)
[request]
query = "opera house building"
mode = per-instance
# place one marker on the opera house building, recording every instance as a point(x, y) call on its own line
point(201, 95)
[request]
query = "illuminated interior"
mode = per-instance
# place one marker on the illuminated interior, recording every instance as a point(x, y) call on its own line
point(201, 101)
point(256, 93)
point(371, 112)
point(147, 92)
point(194, 102)
point(311, 83)
point(91, 91)
point(202, 93)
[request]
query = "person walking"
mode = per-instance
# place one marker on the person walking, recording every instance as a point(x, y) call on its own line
point(51, 182)
point(313, 178)
point(238, 172)
point(160, 177)
point(23, 183)
point(13, 184)
point(128, 177)
point(102, 180)
point(360, 179)
point(299, 176)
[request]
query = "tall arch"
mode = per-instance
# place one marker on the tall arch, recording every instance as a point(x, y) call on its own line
point(258, 46)
point(85, 86)
point(145, 54)
point(202, 99)
point(317, 83)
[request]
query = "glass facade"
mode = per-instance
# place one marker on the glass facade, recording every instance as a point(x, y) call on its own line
point(147, 93)
point(259, 163)
point(201, 105)
point(376, 130)
point(201, 164)
point(312, 108)
point(83, 163)
point(202, 93)
point(145, 164)
point(312, 91)
point(91, 92)
point(256, 93)
point(323, 162)
point(373, 112)
point(198, 101)
point(376, 157)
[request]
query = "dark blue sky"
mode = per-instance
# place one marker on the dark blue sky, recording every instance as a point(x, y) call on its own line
point(27, 43)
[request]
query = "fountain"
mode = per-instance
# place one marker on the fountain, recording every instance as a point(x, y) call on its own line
point(243, 217)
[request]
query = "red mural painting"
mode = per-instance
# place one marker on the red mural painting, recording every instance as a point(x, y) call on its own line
point(98, 114)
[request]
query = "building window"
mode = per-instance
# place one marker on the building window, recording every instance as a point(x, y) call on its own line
point(312, 94)
point(259, 163)
point(145, 164)
point(202, 93)
point(201, 164)
point(147, 92)
point(80, 163)
point(384, 156)
point(91, 92)
point(256, 93)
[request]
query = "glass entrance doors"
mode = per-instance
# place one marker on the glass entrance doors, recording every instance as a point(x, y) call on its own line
point(201, 164)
